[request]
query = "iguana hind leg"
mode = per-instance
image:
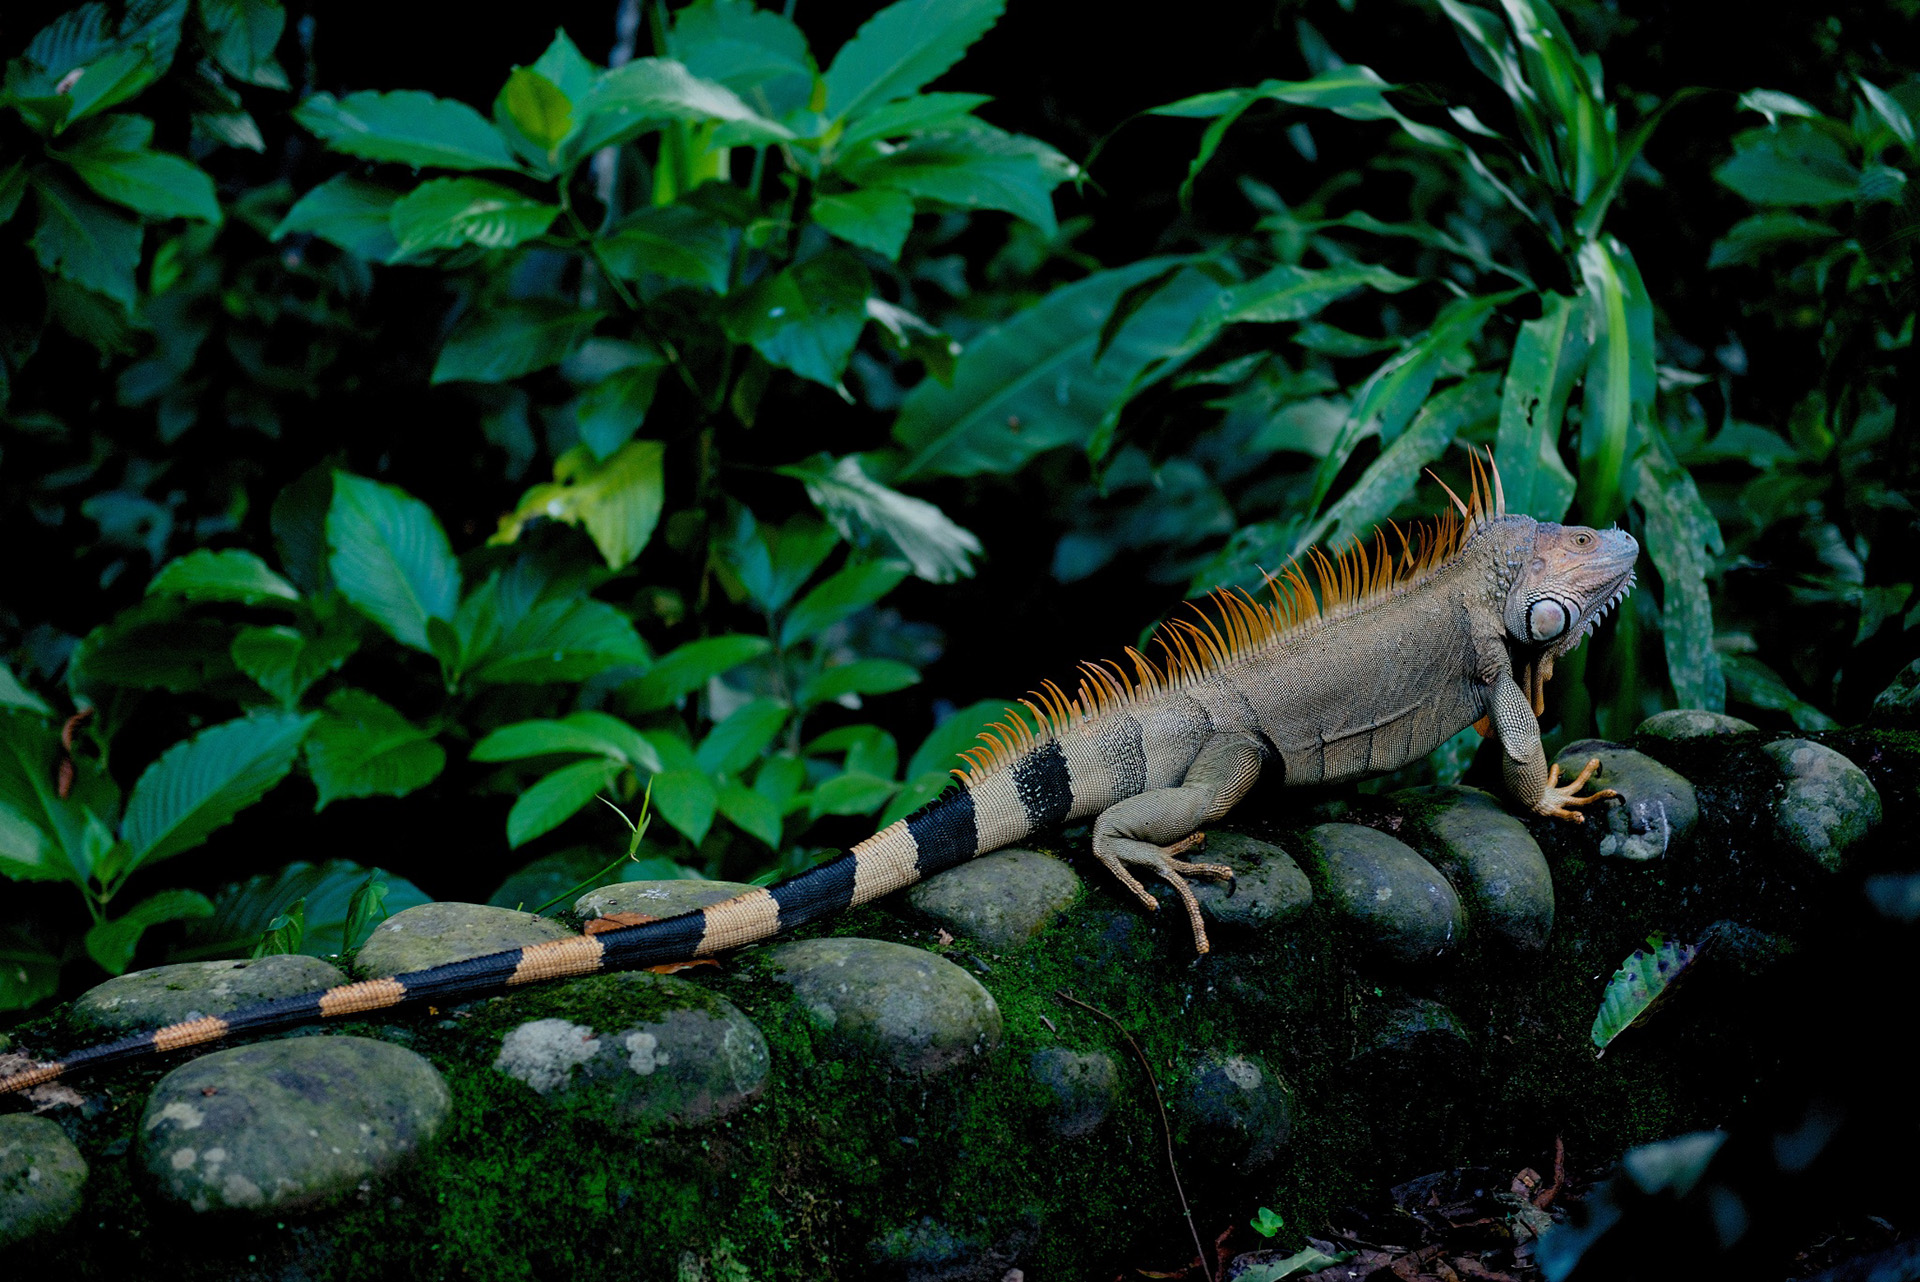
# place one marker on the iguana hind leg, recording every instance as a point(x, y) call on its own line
point(1151, 829)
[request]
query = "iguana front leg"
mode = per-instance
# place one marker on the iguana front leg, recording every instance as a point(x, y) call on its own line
point(1138, 830)
point(1532, 782)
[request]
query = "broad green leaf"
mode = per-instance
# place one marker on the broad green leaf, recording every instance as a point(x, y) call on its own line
point(750, 812)
point(917, 792)
point(691, 666)
point(617, 501)
point(738, 44)
point(1642, 980)
point(878, 220)
point(1795, 163)
point(113, 156)
point(200, 784)
point(390, 557)
point(593, 733)
point(774, 562)
point(566, 68)
point(608, 413)
point(873, 516)
point(1032, 384)
point(557, 798)
point(448, 212)
point(687, 800)
point(243, 911)
point(362, 747)
point(1307, 1260)
point(406, 126)
point(737, 742)
point(151, 646)
point(15, 695)
point(1548, 355)
point(902, 47)
point(1751, 239)
point(648, 91)
point(569, 639)
point(1620, 379)
point(13, 189)
point(941, 749)
point(978, 168)
point(244, 34)
point(366, 908)
point(111, 944)
point(1593, 212)
point(869, 749)
point(853, 588)
point(285, 933)
point(862, 676)
point(44, 836)
point(29, 966)
point(1683, 539)
point(1888, 108)
point(677, 241)
point(502, 342)
point(349, 212)
point(284, 661)
point(1773, 104)
point(112, 80)
point(83, 240)
point(1293, 293)
point(916, 339)
point(921, 113)
point(808, 317)
point(541, 110)
point(557, 878)
point(853, 793)
point(1752, 681)
point(230, 575)
point(29, 852)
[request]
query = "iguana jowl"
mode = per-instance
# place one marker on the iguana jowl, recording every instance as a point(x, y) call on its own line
point(1396, 654)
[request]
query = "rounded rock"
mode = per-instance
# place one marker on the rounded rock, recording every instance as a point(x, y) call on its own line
point(1268, 889)
point(1003, 899)
point(288, 1126)
point(904, 1006)
point(651, 1049)
point(1829, 803)
point(656, 898)
point(437, 933)
point(41, 1178)
point(1233, 1108)
point(1385, 888)
point(1656, 810)
point(1691, 723)
point(1491, 859)
point(1899, 703)
point(164, 995)
point(1082, 1088)
point(1412, 1031)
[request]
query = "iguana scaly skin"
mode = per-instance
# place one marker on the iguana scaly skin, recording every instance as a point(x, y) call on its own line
point(1393, 655)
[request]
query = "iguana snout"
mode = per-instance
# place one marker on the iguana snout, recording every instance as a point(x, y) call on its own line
point(1573, 578)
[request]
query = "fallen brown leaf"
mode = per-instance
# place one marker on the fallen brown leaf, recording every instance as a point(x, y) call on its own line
point(617, 921)
point(945, 938)
point(671, 967)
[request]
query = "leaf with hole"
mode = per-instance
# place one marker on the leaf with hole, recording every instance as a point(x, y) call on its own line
point(1643, 980)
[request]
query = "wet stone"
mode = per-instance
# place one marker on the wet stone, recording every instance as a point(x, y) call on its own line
point(1233, 1109)
point(1691, 723)
point(289, 1125)
point(664, 1052)
point(656, 898)
point(1829, 803)
point(913, 1010)
point(1268, 889)
point(1003, 899)
point(928, 1250)
point(1395, 898)
point(174, 994)
point(1491, 859)
point(1082, 1087)
point(1899, 703)
point(1656, 810)
point(41, 1177)
point(437, 933)
point(1412, 1031)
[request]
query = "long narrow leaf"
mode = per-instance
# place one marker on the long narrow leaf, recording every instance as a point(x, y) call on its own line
point(1547, 357)
point(1619, 378)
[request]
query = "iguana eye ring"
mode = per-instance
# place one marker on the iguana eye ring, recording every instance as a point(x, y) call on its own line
point(1547, 619)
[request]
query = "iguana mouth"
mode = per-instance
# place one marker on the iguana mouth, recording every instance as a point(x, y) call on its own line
point(1596, 615)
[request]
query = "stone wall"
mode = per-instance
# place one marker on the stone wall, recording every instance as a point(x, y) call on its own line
point(1400, 982)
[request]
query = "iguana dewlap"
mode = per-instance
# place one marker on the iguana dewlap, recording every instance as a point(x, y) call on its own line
point(1393, 656)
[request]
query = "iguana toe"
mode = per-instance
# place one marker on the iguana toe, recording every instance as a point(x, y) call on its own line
point(1557, 800)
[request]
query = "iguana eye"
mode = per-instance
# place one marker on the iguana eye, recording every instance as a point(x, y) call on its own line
point(1582, 539)
point(1546, 619)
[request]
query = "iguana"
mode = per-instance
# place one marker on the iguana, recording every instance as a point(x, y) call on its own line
point(1395, 654)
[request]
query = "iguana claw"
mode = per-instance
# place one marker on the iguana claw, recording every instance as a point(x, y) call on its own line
point(1557, 799)
point(1175, 872)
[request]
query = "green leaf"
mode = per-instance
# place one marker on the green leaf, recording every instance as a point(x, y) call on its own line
point(285, 662)
point(1292, 293)
point(83, 240)
point(151, 646)
point(873, 516)
point(112, 155)
point(978, 168)
point(677, 241)
point(608, 413)
point(650, 91)
point(1888, 108)
point(566, 68)
point(921, 113)
point(902, 47)
point(230, 575)
point(1751, 681)
point(1683, 538)
point(327, 892)
point(940, 752)
point(1751, 239)
point(1032, 384)
point(739, 44)
point(1548, 355)
point(687, 800)
point(200, 784)
point(569, 639)
point(1620, 379)
point(111, 80)
point(390, 558)
point(349, 212)
point(407, 127)
point(244, 34)
point(1302, 1262)
point(593, 733)
point(618, 501)
point(366, 909)
point(808, 317)
point(853, 793)
point(750, 812)
point(737, 742)
point(556, 879)
point(502, 342)
point(285, 933)
point(691, 666)
point(1646, 976)
point(1586, 223)
point(916, 339)
point(29, 966)
point(878, 220)
point(448, 212)
point(13, 189)
point(853, 588)
point(774, 562)
point(1267, 1222)
point(111, 944)
point(1796, 163)
point(1773, 104)
point(862, 676)
point(15, 695)
point(917, 792)
point(362, 747)
point(557, 798)
point(538, 107)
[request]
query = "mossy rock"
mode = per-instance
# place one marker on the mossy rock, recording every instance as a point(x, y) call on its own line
point(1003, 899)
point(1395, 900)
point(1232, 1109)
point(1656, 810)
point(1829, 803)
point(1491, 859)
point(1691, 723)
point(42, 1176)
point(656, 898)
point(164, 995)
point(1267, 892)
point(1082, 1088)
point(437, 933)
point(906, 1007)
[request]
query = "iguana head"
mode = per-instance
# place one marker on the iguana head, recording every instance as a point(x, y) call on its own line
point(1566, 586)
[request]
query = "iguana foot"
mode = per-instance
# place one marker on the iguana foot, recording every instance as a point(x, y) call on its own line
point(1557, 799)
point(1161, 860)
